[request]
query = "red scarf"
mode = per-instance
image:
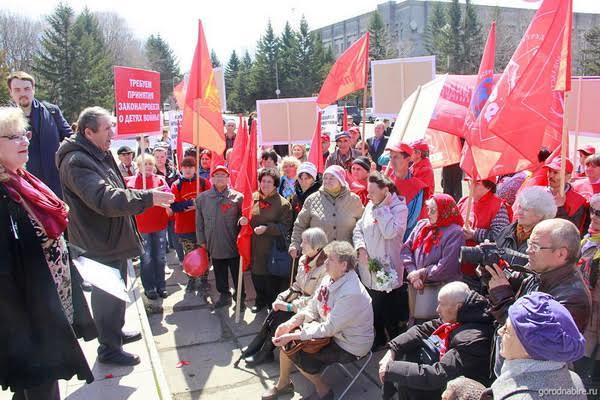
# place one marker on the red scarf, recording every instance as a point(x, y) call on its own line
point(430, 234)
point(39, 201)
point(443, 332)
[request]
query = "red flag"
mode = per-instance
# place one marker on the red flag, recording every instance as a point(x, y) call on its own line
point(315, 155)
point(348, 74)
point(247, 183)
point(563, 82)
point(179, 93)
point(202, 119)
point(525, 109)
point(237, 153)
point(345, 120)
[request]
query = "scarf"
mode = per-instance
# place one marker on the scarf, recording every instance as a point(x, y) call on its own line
point(443, 332)
point(430, 234)
point(39, 201)
point(333, 193)
point(522, 234)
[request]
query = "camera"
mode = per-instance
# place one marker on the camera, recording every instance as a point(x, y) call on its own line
point(488, 254)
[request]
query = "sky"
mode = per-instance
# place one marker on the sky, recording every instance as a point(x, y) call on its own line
point(230, 24)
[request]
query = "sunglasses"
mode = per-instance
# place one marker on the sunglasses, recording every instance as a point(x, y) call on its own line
point(595, 211)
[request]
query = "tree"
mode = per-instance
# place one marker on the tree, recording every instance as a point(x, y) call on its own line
point(308, 66)
point(263, 76)
point(19, 40)
point(452, 32)
point(288, 63)
point(55, 60)
point(435, 40)
point(241, 99)
point(4, 71)
point(231, 72)
point(472, 41)
point(121, 44)
point(322, 62)
point(162, 59)
point(591, 52)
point(380, 46)
point(214, 59)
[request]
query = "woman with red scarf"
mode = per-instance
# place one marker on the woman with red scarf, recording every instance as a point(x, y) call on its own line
point(41, 301)
point(152, 225)
point(430, 255)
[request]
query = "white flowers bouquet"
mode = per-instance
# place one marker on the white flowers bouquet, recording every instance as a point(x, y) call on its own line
point(385, 276)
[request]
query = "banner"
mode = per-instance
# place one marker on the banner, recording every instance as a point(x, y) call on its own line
point(329, 121)
point(392, 81)
point(175, 118)
point(137, 96)
point(444, 148)
point(284, 121)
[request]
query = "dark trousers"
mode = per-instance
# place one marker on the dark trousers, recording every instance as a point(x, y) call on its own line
point(388, 310)
point(405, 393)
point(45, 391)
point(174, 240)
point(452, 177)
point(153, 260)
point(221, 268)
point(109, 316)
point(267, 288)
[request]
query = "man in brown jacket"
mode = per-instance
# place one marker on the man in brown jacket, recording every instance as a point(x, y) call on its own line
point(101, 222)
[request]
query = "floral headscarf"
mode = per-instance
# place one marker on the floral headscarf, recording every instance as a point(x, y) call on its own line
point(448, 214)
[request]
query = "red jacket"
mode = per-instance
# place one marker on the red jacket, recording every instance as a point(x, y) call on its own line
point(585, 188)
point(575, 209)
point(424, 171)
point(185, 194)
point(154, 219)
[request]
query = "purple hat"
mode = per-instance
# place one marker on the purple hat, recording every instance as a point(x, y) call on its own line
point(546, 329)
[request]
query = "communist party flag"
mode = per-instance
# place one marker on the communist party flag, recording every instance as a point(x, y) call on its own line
point(315, 155)
point(238, 150)
point(527, 105)
point(247, 183)
point(348, 74)
point(202, 119)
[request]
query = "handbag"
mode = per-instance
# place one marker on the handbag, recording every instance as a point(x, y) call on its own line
point(279, 261)
point(423, 303)
point(311, 346)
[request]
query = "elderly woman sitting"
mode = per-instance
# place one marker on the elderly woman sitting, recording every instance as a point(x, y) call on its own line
point(463, 331)
point(341, 311)
point(539, 339)
point(309, 276)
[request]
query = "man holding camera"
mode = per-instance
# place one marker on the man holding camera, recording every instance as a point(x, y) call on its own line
point(553, 250)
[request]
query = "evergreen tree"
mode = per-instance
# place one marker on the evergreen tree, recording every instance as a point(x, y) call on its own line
point(472, 41)
point(380, 47)
point(241, 99)
point(54, 63)
point(434, 34)
point(288, 63)
point(231, 72)
point(322, 61)
point(263, 70)
point(452, 33)
point(307, 80)
point(92, 72)
point(162, 59)
point(591, 52)
point(4, 71)
point(214, 59)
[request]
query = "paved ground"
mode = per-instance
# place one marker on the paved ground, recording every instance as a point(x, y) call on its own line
point(186, 328)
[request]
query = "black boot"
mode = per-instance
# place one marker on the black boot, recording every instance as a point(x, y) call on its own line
point(265, 355)
point(257, 342)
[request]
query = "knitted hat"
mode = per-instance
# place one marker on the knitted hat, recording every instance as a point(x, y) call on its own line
point(308, 168)
point(339, 173)
point(364, 162)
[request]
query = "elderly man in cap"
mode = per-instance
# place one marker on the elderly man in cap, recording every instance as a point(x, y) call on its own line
point(571, 206)
point(377, 143)
point(218, 220)
point(126, 165)
point(584, 152)
point(411, 188)
point(539, 340)
point(344, 154)
point(421, 166)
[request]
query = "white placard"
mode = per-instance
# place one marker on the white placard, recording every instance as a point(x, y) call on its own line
point(103, 277)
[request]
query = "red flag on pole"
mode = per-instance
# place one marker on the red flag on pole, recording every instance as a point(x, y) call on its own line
point(237, 153)
point(526, 109)
point(348, 74)
point(315, 155)
point(247, 183)
point(179, 94)
point(202, 119)
point(345, 120)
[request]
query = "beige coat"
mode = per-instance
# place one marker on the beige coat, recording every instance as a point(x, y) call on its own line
point(336, 216)
point(347, 317)
point(306, 282)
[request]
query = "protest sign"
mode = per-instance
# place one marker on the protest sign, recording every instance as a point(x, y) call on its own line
point(394, 80)
point(137, 99)
point(329, 121)
point(285, 121)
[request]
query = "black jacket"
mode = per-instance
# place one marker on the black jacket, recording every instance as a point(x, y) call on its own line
point(376, 153)
point(468, 352)
point(297, 200)
point(37, 343)
point(101, 208)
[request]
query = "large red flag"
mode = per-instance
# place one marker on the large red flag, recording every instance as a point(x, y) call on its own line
point(247, 183)
point(525, 109)
point(348, 74)
point(237, 153)
point(315, 155)
point(179, 93)
point(202, 119)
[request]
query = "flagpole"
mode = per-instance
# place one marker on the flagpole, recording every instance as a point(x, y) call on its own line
point(238, 301)
point(577, 119)
point(289, 128)
point(364, 113)
point(143, 154)
point(470, 203)
point(563, 149)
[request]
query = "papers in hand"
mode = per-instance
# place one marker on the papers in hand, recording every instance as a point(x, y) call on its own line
point(103, 277)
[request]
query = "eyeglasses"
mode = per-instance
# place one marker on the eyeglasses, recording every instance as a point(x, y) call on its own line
point(595, 211)
point(536, 247)
point(21, 137)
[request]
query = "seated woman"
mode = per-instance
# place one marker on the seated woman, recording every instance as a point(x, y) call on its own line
point(288, 302)
point(539, 340)
point(341, 311)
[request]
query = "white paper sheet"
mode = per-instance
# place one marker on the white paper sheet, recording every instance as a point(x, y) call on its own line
point(103, 277)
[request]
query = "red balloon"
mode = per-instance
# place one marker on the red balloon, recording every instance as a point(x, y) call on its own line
point(195, 263)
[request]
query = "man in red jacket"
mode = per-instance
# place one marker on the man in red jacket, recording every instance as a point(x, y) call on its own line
point(185, 192)
point(421, 167)
point(572, 206)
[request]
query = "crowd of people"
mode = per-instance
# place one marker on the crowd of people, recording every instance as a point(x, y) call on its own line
point(489, 297)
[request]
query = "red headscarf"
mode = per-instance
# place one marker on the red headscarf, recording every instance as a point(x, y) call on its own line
point(39, 201)
point(448, 214)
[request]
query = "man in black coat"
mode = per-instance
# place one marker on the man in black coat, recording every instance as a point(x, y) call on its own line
point(463, 333)
point(377, 143)
point(48, 128)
